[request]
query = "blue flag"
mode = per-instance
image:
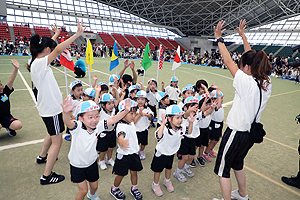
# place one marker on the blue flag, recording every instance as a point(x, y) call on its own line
point(114, 61)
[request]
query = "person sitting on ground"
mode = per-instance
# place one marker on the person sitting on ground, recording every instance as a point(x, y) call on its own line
point(79, 67)
point(6, 119)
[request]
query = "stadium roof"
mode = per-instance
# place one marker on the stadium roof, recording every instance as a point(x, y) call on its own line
point(197, 17)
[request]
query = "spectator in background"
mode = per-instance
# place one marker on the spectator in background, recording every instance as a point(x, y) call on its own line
point(79, 67)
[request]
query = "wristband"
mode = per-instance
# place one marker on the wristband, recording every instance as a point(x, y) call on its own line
point(220, 40)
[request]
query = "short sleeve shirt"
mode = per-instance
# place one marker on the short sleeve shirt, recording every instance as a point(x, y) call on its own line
point(4, 102)
point(129, 132)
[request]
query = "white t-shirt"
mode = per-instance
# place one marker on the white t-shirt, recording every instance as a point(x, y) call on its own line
point(75, 102)
point(143, 122)
point(218, 116)
point(196, 125)
point(105, 116)
point(151, 98)
point(129, 132)
point(169, 144)
point(172, 92)
point(49, 95)
point(204, 122)
point(160, 112)
point(246, 101)
point(83, 151)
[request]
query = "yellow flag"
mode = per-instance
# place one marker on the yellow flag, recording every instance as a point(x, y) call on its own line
point(89, 54)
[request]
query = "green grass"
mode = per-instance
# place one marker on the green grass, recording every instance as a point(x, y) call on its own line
point(275, 157)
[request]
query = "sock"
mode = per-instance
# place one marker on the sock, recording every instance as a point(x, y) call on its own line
point(114, 188)
point(155, 184)
point(167, 180)
point(187, 166)
point(134, 187)
point(179, 170)
point(46, 176)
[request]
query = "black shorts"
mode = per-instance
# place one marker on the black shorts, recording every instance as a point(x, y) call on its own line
point(90, 173)
point(232, 151)
point(142, 137)
point(153, 109)
point(7, 121)
point(127, 162)
point(109, 141)
point(187, 146)
point(159, 163)
point(54, 124)
point(216, 130)
point(203, 138)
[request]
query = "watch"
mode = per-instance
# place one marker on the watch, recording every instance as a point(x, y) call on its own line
point(220, 40)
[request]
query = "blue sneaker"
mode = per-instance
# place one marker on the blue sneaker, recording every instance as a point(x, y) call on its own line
point(155, 119)
point(68, 137)
point(92, 197)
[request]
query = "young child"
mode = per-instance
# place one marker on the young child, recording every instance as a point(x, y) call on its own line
point(151, 93)
point(76, 97)
point(127, 157)
point(169, 136)
point(107, 139)
point(89, 94)
point(200, 88)
point(141, 121)
point(83, 154)
point(216, 124)
point(172, 90)
point(163, 102)
point(49, 97)
point(187, 91)
point(205, 107)
point(6, 119)
point(187, 148)
point(133, 89)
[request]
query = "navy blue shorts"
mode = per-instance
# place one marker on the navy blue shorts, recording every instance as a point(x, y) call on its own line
point(203, 139)
point(108, 141)
point(160, 163)
point(187, 146)
point(142, 137)
point(7, 122)
point(90, 173)
point(123, 163)
point(216, 130)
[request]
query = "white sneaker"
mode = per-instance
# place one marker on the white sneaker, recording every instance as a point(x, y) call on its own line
point(217, 199)
point(236, 195)
point(110, 162)
point(188, 172)
point(102, 164)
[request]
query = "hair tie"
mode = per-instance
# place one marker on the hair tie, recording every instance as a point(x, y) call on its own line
point(40, 40)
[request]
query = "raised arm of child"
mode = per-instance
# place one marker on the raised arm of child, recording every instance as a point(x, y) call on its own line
point(122, 114)
point(160, 131)
point(240, 30)
point(139, 114)
point(117, 96)
point(97, 96)
point(134, 78)
point(219, 98)
point(162, 86)
point(142, 85)
point(66, 110)
point(126, 65)
point(56, 31)
point(62, 46)
point(14, 74)
point(191, 119)
point(233, 68)
point(148, 87)
point(95, 78)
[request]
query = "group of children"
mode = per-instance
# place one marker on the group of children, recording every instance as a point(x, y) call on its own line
point(97, 116)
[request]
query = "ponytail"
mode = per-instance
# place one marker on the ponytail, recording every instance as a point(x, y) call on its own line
point(37, 45)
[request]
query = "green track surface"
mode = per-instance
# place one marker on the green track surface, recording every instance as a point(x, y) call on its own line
point(264, 164)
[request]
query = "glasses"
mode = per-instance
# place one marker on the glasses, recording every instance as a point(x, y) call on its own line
point(91, 118)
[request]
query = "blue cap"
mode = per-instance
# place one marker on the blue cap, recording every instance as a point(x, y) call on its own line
point(190, 100)
point(174, 110)
point(121, 106)
point(87, 106)
point(102, 83)
point(188, 87)
point(133, 87)
point(90, 92)
point(214, 94)
point(141, 93)
point(111, 79)
point(174, 78)
point(75, 83)
point(106, 97)
point(202, 96)
point(160, 95)
point(152, 79)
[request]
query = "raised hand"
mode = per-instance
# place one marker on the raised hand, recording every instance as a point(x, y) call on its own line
point(241, 27)
point(218, 31)
point(55, 29)
point(132, 65)
point(126, 63)
point(128, 105)
point(95, 77)
point(80, 28)
point(15, 63)
point(141, 111)
point(67, 105)
point(164, 118)
point(98, 89)
point(192, 117)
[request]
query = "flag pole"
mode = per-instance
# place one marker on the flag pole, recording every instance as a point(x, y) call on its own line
point(90, 76)
point(66, 78)
point(116, 70)
point(144, 76)
point(174, 72)
point(158, 65)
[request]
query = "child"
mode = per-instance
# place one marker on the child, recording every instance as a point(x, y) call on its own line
point(172, 90)
point(76, 97)
point(251, 80)
point(49, 98)
point(188, 143)
point(151, 93)
point(163, 102)
point(6, 119)
point(127, 157)
point(205, 107)
point(107, 139)
point(133, 89)
point(141, 121)
point(83, 154)
point(216, 124)
point(169, 136)
point(187, 91)
point(200, 88)
point(89, 94)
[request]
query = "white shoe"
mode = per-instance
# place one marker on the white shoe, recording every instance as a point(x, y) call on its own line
point(236, 195)
point(217, 199)
point(110, 162)
point(102, 164)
